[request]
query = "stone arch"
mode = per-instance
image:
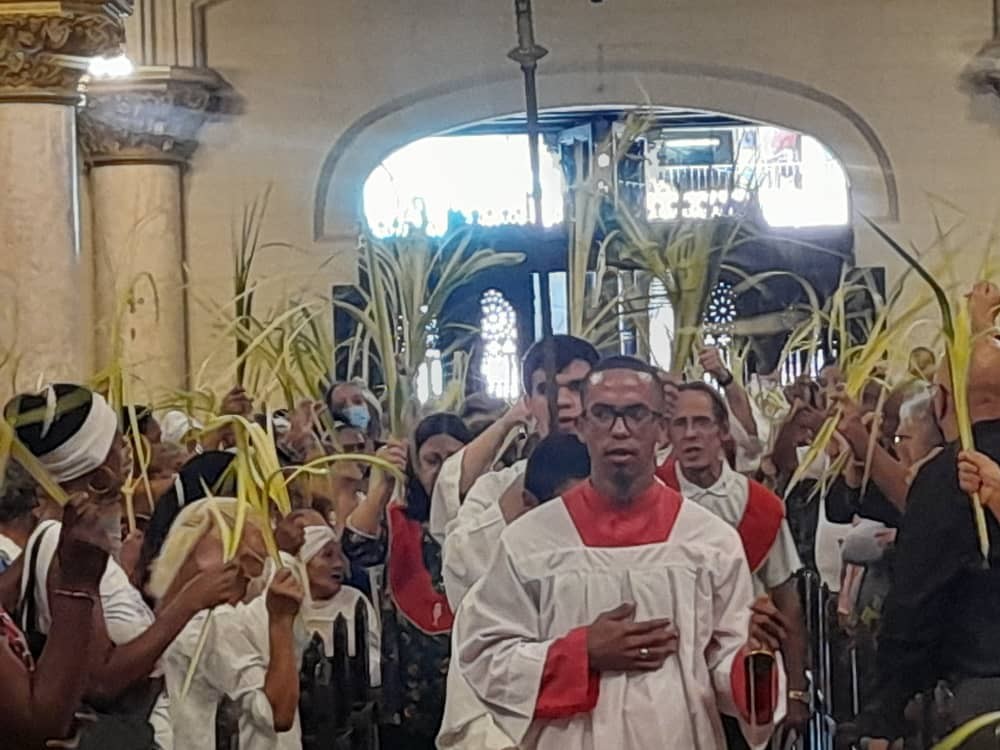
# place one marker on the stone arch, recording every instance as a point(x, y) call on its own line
point(753, 95)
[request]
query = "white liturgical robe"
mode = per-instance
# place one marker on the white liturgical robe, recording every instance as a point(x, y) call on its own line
point(523, 632)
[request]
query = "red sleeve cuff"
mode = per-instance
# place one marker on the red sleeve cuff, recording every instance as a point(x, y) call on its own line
point(755, 687)
point(568, 686)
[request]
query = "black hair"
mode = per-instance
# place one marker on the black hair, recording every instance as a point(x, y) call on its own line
point(556, 460)
point(209, 470)
point(719, 409)
point(27, 411)
point(568, 349)
point(418, 502)
point(622, 362)
point(143, 417)
point(18, 497)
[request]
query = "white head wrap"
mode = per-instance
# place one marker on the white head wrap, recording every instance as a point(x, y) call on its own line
point(176, 426)
point(88, 447)
point(317, 537)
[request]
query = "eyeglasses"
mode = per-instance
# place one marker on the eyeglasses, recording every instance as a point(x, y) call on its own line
point(634, 416)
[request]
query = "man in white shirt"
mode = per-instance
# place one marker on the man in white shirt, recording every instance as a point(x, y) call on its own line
point(698, 469)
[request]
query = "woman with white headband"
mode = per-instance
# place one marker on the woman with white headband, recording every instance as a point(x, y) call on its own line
point(320, 561)
point(74, 434)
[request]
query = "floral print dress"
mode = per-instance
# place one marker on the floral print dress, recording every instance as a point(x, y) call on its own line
point(416, 621)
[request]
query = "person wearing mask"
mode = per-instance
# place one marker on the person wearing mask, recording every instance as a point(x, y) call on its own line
point(558, 463)
point(415, 615)
point(42, 693)
point(698, 470)
point(473, 504)
point(74, 435)
point(618, 615)
point(250, 654)
point(357, 404)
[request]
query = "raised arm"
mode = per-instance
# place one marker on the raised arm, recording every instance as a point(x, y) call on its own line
point(366, 519)
point(39, 705)
point(480, 455)
point(127, 664)
point(736, 395)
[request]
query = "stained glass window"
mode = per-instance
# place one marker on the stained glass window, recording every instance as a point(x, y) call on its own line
point(500, 368)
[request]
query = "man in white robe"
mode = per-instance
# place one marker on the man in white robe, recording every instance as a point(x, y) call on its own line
point(618, 616)
point(469, 524)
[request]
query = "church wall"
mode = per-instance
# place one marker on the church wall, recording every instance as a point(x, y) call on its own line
point(329, 88)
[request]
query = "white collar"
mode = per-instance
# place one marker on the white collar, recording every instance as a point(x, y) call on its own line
point(727, 485)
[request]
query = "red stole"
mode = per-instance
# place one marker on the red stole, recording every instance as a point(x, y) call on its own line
point(410, 582)
point(648, 519)
point(761, 521)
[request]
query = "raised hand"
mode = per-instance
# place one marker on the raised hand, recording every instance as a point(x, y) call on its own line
point(284, 596)
point(978, 473)
point(237, 402)
point(217, 585)
point(395, 452)
point(711, 362)
point(616, 643)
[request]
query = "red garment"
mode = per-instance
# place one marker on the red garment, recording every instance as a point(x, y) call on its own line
point(648, 519)
point(568, 685)
point(410, 582)
point(761, 521)
point(758, 689)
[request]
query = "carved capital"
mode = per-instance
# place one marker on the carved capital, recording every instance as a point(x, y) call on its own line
point(45, 47)
point(152, 116)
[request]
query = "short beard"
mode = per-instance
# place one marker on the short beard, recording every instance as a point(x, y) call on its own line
point(622, 482)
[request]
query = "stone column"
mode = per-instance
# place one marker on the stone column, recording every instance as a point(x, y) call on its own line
point(137, 135)
point(45, 47)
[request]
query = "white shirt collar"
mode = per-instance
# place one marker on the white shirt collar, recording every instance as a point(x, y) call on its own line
point(727, 485)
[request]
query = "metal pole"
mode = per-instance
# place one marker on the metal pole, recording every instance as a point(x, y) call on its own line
point(527, 53)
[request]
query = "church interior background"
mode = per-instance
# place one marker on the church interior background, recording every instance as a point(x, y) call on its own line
point(149, 146)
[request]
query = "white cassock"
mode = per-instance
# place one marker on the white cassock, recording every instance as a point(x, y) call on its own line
point(469, 533)
point(468, 530)
point(523, 633)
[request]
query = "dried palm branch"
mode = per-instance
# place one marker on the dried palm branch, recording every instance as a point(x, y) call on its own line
point(957, 328)
point(406, 285)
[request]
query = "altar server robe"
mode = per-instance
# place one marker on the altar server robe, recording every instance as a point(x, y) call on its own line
point(523, 633)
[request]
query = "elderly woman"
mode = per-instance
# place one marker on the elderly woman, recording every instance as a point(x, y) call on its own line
point(317, 558)
point(416, 618)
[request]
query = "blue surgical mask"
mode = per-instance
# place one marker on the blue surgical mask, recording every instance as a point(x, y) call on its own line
point(358, 416)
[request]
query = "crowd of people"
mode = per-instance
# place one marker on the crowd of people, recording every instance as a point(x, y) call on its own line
point(617, 560)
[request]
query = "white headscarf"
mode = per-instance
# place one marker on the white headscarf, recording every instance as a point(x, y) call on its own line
point(176, 426)
point(88, 447)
